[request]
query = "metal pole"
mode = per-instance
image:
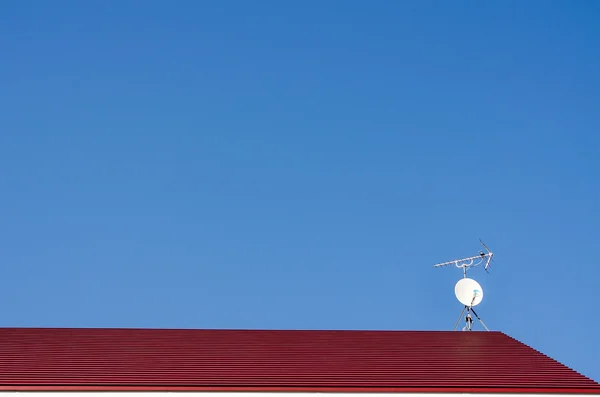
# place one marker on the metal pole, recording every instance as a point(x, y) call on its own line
point(486, 328)
point(459, 318)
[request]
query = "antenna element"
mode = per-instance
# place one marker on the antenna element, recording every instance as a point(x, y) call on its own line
point(469, 262)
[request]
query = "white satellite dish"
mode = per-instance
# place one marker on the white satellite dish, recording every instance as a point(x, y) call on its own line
point(468, 292)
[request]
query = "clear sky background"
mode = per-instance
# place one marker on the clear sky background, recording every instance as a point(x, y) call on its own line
point(301, 165)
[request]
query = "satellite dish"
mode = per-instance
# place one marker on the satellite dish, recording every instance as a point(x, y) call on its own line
point(468, 292)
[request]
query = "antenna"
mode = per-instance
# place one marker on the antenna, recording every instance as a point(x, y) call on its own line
point(468, 291)
point(469, 262)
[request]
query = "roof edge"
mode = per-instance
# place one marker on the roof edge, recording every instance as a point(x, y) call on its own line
point(292, 389)
point(550, 358)
point(137, 328)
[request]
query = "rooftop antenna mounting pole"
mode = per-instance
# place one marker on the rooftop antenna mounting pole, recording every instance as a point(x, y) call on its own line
point(480, 320)
point(469, 319)
point(468, 291)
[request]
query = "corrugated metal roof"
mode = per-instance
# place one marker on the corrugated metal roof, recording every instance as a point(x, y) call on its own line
point(278, 360)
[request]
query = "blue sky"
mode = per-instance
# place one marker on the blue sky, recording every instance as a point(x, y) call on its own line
point(268, 164)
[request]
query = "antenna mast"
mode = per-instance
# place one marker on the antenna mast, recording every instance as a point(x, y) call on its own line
point(468, 291)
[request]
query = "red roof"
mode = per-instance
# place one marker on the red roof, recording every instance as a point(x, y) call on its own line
point(256, 360)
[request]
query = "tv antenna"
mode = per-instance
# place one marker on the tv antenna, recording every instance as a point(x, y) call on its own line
point(471, 261)
point(468, 291)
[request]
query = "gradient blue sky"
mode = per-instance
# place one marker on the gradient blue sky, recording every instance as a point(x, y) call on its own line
point(278, 164)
